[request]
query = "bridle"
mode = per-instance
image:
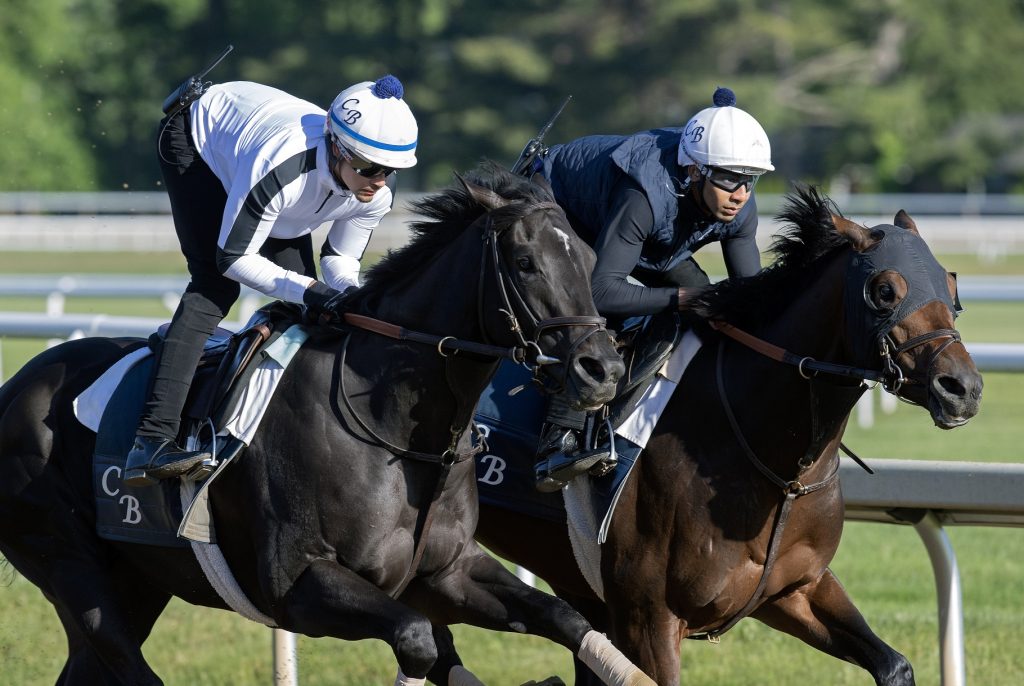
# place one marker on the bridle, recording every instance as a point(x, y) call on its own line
point(512, 301)
point(892, 378)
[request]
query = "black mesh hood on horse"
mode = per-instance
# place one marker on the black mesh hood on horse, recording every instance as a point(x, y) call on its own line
point(902, 251)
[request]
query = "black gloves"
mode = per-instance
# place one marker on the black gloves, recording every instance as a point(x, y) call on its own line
point(326, 300)
point(688, 295)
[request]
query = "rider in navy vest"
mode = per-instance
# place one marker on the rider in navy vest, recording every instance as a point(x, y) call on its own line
point(646, 203)
point(251, 171)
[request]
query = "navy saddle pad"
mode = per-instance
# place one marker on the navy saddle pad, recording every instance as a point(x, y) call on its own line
point(511, 426)
point(149, 514)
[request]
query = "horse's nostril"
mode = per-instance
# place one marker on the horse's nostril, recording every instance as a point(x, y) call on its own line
point(951, 385)
point(594, 369)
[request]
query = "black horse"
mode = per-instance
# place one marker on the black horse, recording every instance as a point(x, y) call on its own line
point(734, 508)
point(352, 512)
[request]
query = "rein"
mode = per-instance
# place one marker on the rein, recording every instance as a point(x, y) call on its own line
point(516, 353)
point(891, 377)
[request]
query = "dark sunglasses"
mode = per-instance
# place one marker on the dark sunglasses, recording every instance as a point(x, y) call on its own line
point(729, 181)
point(368, 170)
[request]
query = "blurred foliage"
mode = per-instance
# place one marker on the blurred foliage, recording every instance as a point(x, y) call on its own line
point(870, 95)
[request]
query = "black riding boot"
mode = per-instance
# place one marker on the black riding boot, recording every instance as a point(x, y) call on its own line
point(152, 459)
point(560, 458)
point(155, 454)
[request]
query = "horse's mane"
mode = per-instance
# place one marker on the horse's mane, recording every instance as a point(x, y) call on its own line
point(808, 237)
point(446, 215)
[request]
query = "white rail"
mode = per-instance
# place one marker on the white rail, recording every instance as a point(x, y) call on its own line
point(929, 495)
point(972, 288)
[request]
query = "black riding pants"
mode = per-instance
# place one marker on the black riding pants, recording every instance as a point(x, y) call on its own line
point(686, 273)
point(197, 206)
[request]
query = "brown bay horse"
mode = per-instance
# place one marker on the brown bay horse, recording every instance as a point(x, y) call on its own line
point(733, 509)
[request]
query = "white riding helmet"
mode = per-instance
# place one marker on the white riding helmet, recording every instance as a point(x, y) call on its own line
point(372, 121)
point(725, 136)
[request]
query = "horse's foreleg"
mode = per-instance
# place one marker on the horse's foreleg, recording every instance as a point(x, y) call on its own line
point(647, 632)
point(330, 600)
point(823, 616)
point(476, 589)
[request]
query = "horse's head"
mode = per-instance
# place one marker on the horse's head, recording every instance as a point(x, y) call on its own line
point(542, 300)
point(900, 306)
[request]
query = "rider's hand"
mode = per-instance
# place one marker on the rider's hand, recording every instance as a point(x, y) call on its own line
point(326, 300)
point(689, 294)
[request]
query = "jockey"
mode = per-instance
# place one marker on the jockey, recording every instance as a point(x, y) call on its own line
point(251, 171)
point(646, 203)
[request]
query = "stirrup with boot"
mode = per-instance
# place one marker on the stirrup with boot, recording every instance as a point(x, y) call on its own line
point(152, 459)
point(559, 459)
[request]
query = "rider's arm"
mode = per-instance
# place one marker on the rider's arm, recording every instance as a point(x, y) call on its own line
point(347, 240)
point(249, 216)
point(742, 258)
point(618, 247)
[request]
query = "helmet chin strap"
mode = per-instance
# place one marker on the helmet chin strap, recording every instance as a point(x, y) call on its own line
point(333, 159)
point(697, 191)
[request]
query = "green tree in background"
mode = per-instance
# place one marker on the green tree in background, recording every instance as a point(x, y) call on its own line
point(44, 140)
point(870, 95)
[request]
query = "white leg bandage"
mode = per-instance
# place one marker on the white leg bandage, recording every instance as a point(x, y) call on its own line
point(460, 676)
point(610, 665)
point(403, 680)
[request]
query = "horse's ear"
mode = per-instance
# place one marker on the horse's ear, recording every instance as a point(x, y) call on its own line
point(485, 196)
point(859, 236)
point(904, 221)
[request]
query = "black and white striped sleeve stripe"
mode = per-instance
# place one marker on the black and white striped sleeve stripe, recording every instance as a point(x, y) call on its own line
point(250, 215)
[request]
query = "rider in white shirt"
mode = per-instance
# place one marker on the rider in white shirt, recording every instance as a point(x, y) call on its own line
point(251, 171)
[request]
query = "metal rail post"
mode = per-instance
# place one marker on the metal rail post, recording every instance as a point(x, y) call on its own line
point(286, 662)
point(947, 587)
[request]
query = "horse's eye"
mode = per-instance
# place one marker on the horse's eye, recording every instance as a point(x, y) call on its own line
point(525, 264)
point(885, 296)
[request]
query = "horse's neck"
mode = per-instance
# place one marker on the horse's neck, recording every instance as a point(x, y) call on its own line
point(441, 298)
point(813, 413)
point(813, 324)
point(433, 393)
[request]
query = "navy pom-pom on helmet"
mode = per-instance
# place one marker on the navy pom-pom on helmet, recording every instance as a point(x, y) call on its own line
point(374, 123)
point(725, 136)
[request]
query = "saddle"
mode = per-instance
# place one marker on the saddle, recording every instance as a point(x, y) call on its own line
point(225, 366)
point(152, 515)
point(645, 346)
